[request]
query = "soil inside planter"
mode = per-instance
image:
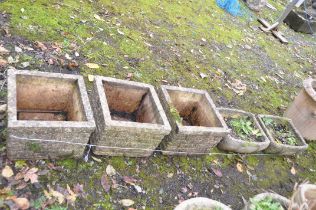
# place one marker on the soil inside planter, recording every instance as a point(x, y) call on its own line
point(243, 127)
point(282, 131)
point(44, 116)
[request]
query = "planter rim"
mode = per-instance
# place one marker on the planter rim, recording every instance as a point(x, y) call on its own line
point(305, 187)
point(308, 86)
point(266, 139)
point(208, 202)
point(272, 141)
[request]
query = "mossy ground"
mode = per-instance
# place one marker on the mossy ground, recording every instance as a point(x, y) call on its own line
point(175, 41)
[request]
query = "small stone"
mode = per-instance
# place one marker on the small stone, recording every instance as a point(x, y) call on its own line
point(110, 170)
point(18, 49)
point(161, 191)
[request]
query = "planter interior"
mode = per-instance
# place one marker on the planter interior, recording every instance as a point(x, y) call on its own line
point(194, 109)
point(48, 99)
point(131, 103)
point(285, 121)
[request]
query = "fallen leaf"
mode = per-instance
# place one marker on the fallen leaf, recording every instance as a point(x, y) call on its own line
point(110, 170)
point(120, 32)
point(94, 158)
point(90, 77)
point(96, 16)
point(21, 186)
point(3, 50)
point(25, 64)
point(138, 188)
point(238, 87)
point(7, 172)
point(18, 49)
point(71, 197)
point(129, 180)
point(3, 62)
point(105, 183)
point(31, 175)
point(78, 188)
point(92, 65)
point(72, 64)
point(216, 171)
point(129, 76)
point(52, 193)
point(293, 170)
point(202, 75)
point(126, 202)
point(22, 203)
point(40, 45)
point(239, 167)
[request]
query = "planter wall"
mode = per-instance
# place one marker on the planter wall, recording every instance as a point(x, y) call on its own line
point(303, 110)
point(128, 115)
point(201, 203)
point(298, 22)
point(280, 148)
point(305, 197)
point(235, 144)
point(47, 106)
point(286, 203)
point(202, 126)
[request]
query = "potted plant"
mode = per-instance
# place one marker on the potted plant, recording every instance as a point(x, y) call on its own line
point(284, 137)
point(201, 203)
point(303, 110)
point(268, 201)
point(305, 196)
point(246, 134)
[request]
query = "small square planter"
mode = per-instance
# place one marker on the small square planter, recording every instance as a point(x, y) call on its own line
point(130, 119)
point(45, 107)
point(303, 110)
point(275, 145)
point(233, 142)
point(196, 124)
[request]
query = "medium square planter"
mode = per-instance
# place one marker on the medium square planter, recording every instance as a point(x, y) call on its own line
point(46, 113)
point(305, 196)
point(302, 111)
point(250, 143)
point(196, 124)
point(130, 119)
point(276, 146)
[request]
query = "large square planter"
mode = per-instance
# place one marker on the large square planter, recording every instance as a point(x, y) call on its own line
point(277, 147)
point(201, 126)
point(130, 119)
point(47, 112)
point(303, 110)
point(234, 143)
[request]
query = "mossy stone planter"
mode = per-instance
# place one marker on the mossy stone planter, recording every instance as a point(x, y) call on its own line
point(279, 148)
point(234, 143)
point(47, 113)
point(129, 117)
point(286, 203)
point(201, 203)
point(198, 125)
point(303, 110)
point(305, 196)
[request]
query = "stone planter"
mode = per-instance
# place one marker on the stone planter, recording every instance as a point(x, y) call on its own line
point(201, 203)
point(303, 110)
point(236, 144)
point(45, 107)
point(298, 22)
point(199, 127)
point(286, 203)
point(130, 119)
point(305, 196)
point(279, 148)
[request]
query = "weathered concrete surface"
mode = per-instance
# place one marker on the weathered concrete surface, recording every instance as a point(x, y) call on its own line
point(206, 128)
point(128, 115)
point(231, 143)
point(283, 149)
point(39, 92)
point(302, 111)
point(298, 22)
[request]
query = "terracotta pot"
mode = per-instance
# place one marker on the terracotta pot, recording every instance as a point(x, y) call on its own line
point(305, 197)
point(303, 110)
point(286, 203)
point(279, 148)
point(201, 203)
point(235, 144)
